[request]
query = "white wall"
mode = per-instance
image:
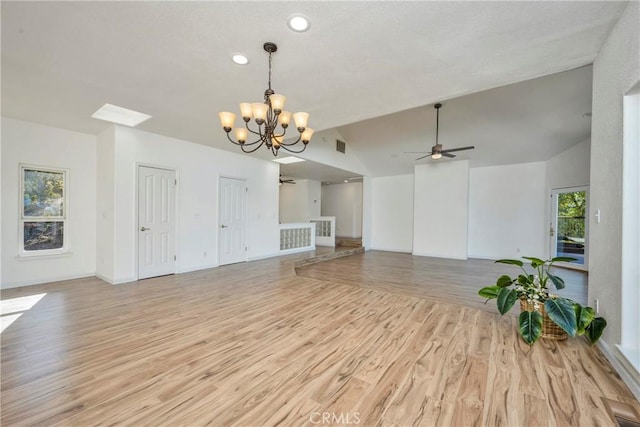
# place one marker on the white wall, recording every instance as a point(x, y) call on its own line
point(392, 213)
point(322, 149)
point(344, 201)
point(367, 211)
point(615, 72)
point(39, 145)
point(105, 208)
point(300, 201)
point(198, 168)
point(441, 209)
point(570, 168)
point(507, 206)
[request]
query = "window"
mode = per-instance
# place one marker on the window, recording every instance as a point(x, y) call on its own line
point(43, 216)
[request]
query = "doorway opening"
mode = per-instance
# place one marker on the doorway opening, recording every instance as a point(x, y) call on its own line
point(569, 225)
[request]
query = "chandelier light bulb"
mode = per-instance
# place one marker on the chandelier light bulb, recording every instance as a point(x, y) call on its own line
point(241, 135)
point(277, 102)
point(245, 111)
point(301, 119)
point(276, 141)
point(284, 118)
point(259, 111)
point(227, 119)
point(306, 135)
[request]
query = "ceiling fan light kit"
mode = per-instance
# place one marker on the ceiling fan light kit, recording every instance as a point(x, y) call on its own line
point(437, 151)
point(267, 116)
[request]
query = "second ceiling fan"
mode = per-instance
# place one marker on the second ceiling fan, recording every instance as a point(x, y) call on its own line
point(437, 151)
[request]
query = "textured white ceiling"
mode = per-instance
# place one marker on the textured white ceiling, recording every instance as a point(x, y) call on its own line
point(360, 60)
point(524, 122)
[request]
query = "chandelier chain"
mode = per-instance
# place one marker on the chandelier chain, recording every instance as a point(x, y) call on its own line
point(270, 71)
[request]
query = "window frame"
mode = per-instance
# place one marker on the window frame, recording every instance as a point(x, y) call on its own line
point(22, 218)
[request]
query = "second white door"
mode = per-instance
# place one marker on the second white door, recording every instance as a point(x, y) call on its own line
point(233, 206)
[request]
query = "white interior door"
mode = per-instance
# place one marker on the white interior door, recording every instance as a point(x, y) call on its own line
point(156, 222)
point(233, 206)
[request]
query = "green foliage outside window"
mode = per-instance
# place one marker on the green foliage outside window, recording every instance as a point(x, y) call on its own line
point(571, 214)
point(43, 193)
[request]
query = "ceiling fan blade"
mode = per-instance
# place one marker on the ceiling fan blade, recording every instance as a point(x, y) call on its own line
point(471, 147)
point(414, 152)
point(444, 153)
point(424, 157)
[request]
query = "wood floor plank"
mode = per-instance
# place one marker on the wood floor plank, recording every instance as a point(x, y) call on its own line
point(396, 339)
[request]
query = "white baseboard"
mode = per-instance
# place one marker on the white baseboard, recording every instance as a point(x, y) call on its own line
point(447, 256)
point(482, 257)
point(256, 258)
point(197, 268)
point(33, 282)
point(125, 280)
point(619, 363)
point(404, 251)
point(104, 278)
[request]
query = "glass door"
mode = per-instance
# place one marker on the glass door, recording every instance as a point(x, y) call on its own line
point(569, 225)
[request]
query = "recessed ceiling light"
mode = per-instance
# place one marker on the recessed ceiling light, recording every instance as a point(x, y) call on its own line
point(346, 180)
point(288, 160)
point(120, 115)
point(298, 23)
point(240, 59)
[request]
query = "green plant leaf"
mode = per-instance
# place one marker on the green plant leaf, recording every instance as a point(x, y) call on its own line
point(563, 259)
point(511, 261)
point(561, 311)
point(584, 317)
point(525, 280)
point(489, 292)
point(557, 281)
point(535, 262)
point(504, 281)
point(595, 329)
point(506, 299)
point(530, 326)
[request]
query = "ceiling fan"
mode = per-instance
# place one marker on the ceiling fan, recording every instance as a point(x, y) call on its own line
point(437, 151)
point(286, 181)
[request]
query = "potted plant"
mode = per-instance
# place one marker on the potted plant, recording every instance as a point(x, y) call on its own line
point(543, 313)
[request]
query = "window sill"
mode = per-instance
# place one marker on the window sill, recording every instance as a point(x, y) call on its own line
point(43, 256)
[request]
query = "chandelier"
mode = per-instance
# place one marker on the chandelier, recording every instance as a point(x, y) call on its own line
point(267, 116)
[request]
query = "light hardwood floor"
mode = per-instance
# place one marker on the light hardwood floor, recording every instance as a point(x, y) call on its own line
point(377, 338)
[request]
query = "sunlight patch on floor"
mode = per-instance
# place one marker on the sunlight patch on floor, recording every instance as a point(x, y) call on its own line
point(11, 309)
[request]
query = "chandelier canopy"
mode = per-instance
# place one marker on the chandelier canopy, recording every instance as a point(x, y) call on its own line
point(267, 116)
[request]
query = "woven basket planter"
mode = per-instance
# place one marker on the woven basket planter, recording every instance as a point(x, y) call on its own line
point(550, 330)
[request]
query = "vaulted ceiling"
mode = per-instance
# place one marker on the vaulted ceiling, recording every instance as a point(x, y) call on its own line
point(371, 69)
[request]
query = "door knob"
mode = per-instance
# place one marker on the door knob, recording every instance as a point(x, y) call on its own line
point(144, 229)
point(223, 226)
